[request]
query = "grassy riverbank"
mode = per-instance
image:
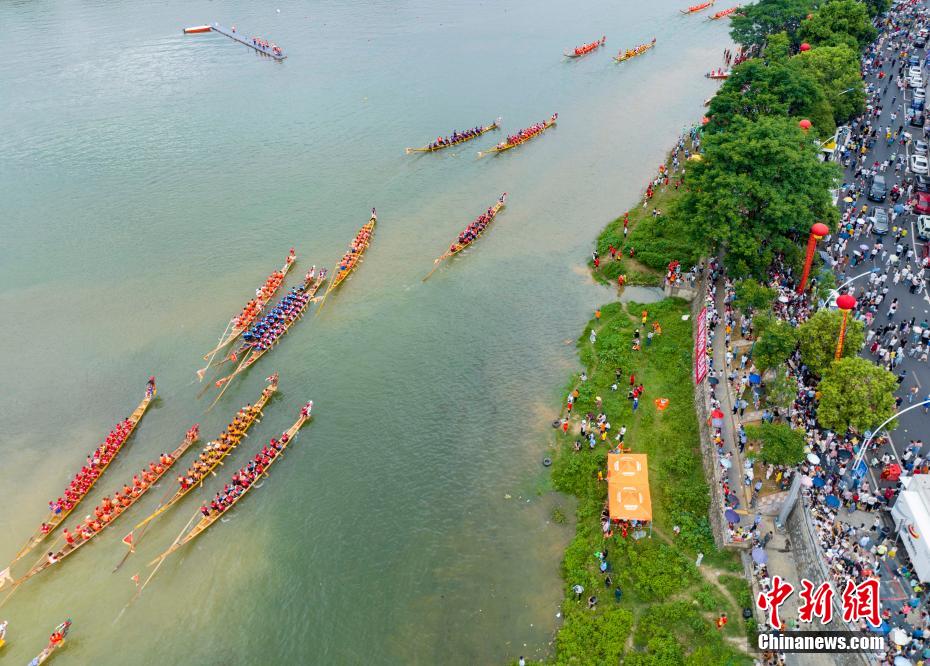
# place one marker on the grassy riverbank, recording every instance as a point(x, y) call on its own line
point(668, 607)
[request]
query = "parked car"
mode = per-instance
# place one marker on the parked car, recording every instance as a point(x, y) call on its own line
point(920, 94)
point(916, 120)
point(914, 70)
point(919, 164)
point(923, 227)
point(920, 43)
point(922, 206)
point(878, 190)
point(921, 147)
point(914, 59)
point(880, 221)
point(922, 183)
point(917, 104)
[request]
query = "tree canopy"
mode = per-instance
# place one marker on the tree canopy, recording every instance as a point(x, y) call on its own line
point(781, 445)
point(753, 295)
point(856, 393)
point(758, 88)
point(775, 345)
point(819, 336)
point(759, 182)
point(836, 71)
point(767, 17)
point(839, 22)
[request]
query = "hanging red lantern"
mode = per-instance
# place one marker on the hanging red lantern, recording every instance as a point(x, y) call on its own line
point(805, 124)
point(805, 46)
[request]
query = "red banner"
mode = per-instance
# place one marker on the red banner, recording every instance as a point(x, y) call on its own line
point(700, 348)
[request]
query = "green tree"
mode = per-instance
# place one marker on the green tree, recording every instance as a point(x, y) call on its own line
point(839, 22)
point(778, 48)
point(753, 295)
point(781, 445)
point(759, 184)
point(877, 7)
point(756, 88)
point(819, 336)
point(836, 70)
point(856, 393)
point(782, 389)
point(775, 345)
point(759, 20)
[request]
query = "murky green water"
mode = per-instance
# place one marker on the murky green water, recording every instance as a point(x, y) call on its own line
point(149, 182)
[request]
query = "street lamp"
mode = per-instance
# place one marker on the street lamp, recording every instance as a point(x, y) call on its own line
point(818, 231)
point(865, 444)
point(845, 303)
point(848, 282)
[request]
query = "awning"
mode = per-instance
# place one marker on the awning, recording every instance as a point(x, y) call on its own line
point(628, 487)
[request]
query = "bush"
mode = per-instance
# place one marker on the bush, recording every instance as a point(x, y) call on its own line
point(781, 445)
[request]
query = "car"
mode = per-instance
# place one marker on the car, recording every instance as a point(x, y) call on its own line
point(914, 70)
point(921, 147)
point(916, 120)
point(880, 222)
point(922, 207)
point(921, 183)
point(915, 82)
point(920, 93)
point(920, 43)
point(923, 227)
point(919, 164)
point(914, 59)
point(917, 105)
point(878, 190)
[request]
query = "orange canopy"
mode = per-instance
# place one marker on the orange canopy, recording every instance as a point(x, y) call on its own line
point(628, 486)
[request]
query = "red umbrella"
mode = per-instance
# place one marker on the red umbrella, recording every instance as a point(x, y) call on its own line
point(892, 472)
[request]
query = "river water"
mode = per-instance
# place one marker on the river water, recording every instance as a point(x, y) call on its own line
point(150, 181)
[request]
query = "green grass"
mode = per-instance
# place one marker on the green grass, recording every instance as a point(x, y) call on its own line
point(666, 607)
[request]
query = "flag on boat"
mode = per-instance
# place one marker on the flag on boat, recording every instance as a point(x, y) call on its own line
point(135, 579)
point(128, 541)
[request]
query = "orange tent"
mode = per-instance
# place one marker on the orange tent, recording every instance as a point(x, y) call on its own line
point(628, 486)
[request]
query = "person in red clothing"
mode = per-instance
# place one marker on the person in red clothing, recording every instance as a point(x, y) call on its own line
point(632, 379)
point(722, 621)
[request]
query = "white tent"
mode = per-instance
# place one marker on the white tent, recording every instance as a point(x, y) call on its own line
point(911, 515)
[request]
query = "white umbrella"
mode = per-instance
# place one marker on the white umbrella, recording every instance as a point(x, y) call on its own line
point(726, 463)
point(899, 636)
point(806, 481)
point(813, 458)
point(783, 299)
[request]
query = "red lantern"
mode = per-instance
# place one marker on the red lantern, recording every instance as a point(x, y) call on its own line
point(805, 124)
point(846, 302)
point(820, 229)
point(805, 47)
point(705, 120)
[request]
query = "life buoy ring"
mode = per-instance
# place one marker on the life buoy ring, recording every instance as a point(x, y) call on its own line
point(547, 462)
point(556, 423)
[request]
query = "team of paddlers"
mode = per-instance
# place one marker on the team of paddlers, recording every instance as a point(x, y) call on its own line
point(642, 48)
point(92, 469)
point(109, 508)
point(270, 327)
point(456, 137)
point(475, 229)
point(356, 247)
point(215, 450)
point(526, 134)
point(262, 295)
point(587, 48)
point(246, 476)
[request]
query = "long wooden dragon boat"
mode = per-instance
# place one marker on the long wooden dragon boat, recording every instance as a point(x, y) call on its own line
point(211, 456)
point(54, 519)
point(133, 492)
point(213, 515)
point(455, 140)
point(459, 245)
point(351, 259)
point(522, 137)
point(697, 8)
point(585, 49)
point(252, 350)
point(723, 13)
point(242, 321)
point(55, 642)
point(632, 53)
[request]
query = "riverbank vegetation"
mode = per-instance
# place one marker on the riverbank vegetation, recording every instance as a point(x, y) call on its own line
point(752, 193)
point(668, 606)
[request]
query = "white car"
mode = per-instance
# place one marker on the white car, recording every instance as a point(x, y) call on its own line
point(919, 164)
point(920, 93)
point(915, 82)
point(921, 147)
point(923, 227)
point(914, 72)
